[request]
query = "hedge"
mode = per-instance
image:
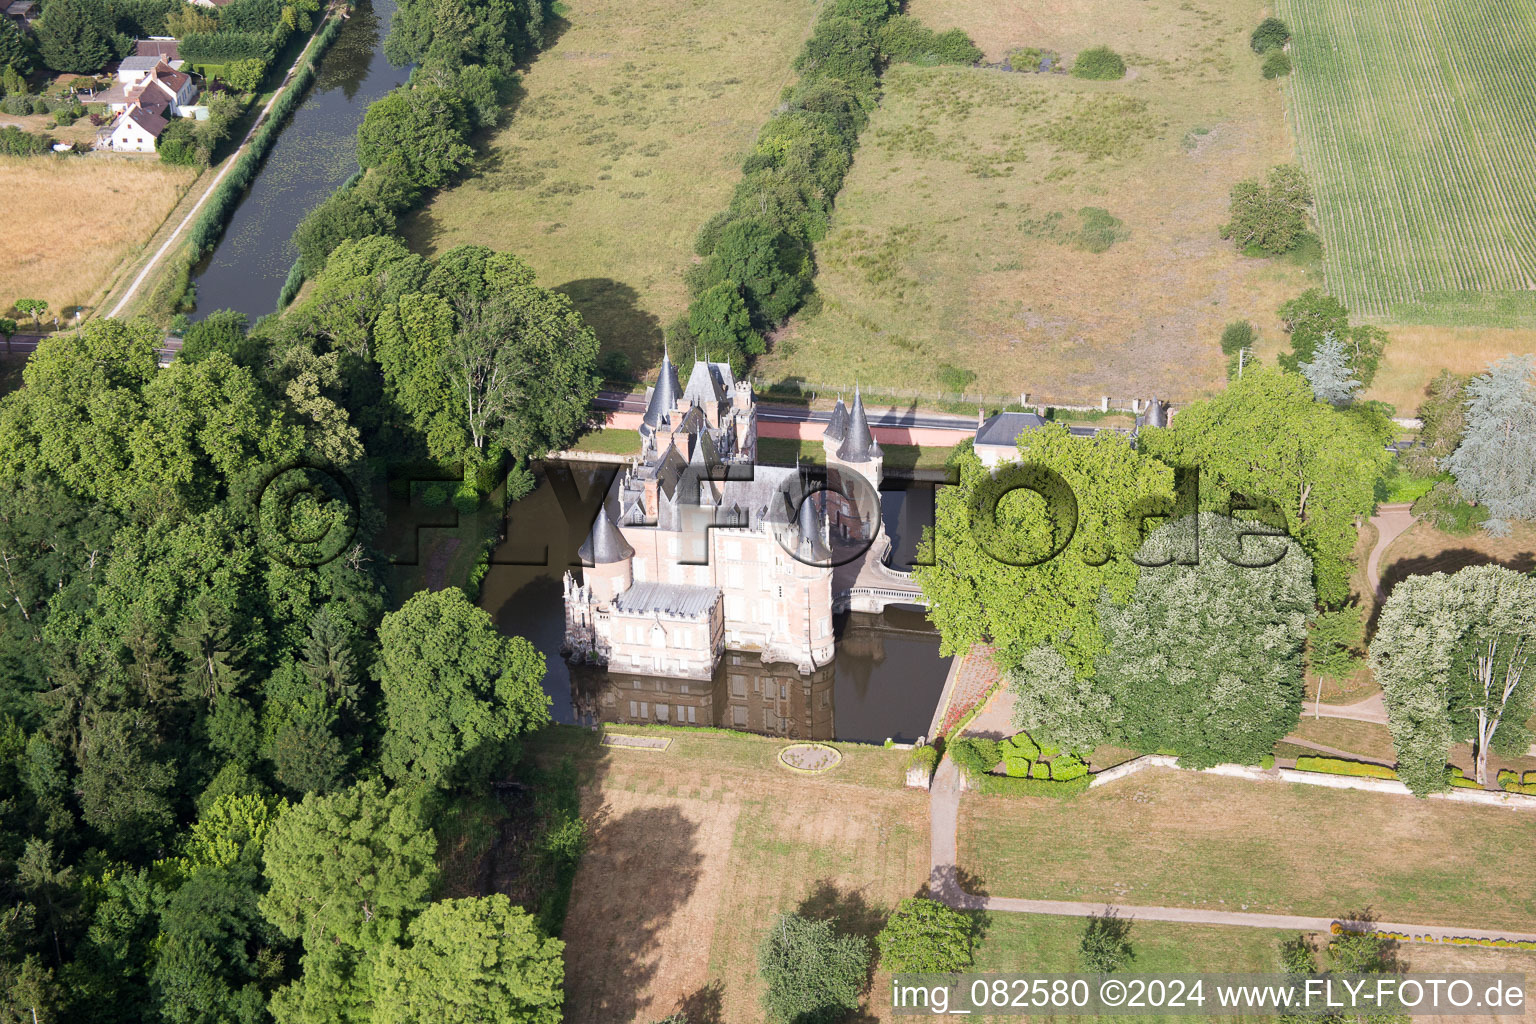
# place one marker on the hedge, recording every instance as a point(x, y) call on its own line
point(1002, 785)
point(924, 757)
point(226, 47)
point(1340, 766)
point(1458, 779)
point(974, 756)
point(1511, 782)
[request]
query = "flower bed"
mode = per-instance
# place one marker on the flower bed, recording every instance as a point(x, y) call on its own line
point(810, 757)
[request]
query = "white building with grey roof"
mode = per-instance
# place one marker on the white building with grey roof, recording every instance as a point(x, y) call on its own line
point(697, 548)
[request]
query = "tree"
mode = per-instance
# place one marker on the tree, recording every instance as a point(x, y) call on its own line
point(813, 975)
point(1443, 415)
point(8, 330)
point(721, 322)
point(1017, 571)
point(1058, 705)
point(486, 361)
point(34, 308)
point(1206, 658)
point(924, 936)
point(1106, 945)
point(124, 788)
point(470, 960)
point(1237, 337)
point(1267, 441)
point(1270, 218)
point(457, 692)
point(343, 215)
point(345, 874)
point(1329, 373)
point(15, 50)
point(1336, 642)
point(417, 132)
point(1312, 316)
point(1277, 64)
point(178, 143)
point(1451, 653)
point(1495, 463)
point(245, 75)
point(76, 36)
point(1271, 34)
point(772, 269)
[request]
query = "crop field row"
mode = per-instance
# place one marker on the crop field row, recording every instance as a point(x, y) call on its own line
point(1416, 121)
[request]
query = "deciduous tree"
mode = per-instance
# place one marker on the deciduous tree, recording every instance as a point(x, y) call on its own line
point(813, 975)
point(925, 936)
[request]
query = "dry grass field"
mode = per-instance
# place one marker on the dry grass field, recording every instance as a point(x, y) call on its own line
point(628, 136)
point(1424, 549)
point(695, 850)
point(957, 238)
point(1175, 839)
point(68, 223)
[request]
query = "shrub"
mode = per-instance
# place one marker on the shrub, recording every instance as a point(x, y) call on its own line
point(1066, 767)
point(925, 936)
point(1341, 766)
point(1100, 229)
point(1033, 59)
point(1106, 945)
point(924, 757)
point(1446, 509)
point(1271, 34)
point(1277, 64)
point(466, 499)
point(904, 38)
point(975, 756)
point(1002, 785)
point(1509, 781)
point(1099, 63)
point(435, 495)
point(812, 974)
point(1458, 779)
point(1267, 761)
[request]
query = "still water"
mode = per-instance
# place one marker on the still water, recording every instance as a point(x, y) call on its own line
point(314, 155)
point(883, 682)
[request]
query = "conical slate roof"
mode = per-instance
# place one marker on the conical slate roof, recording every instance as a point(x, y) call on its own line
point(703, 385)
point(859, 445)
point(664, 396)
point(837, 426)
point(605, 544)
point(812, 548)
point(1156, 415)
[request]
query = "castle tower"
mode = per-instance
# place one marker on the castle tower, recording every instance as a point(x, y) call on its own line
point(858, 454)
point(836, 430)
point(611, 557)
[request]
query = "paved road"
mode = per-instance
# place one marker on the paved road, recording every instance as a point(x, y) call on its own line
point(620, 401)
point(1390, 522)
point(28, 343)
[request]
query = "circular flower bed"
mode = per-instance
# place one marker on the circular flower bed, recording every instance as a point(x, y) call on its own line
point(810, 757)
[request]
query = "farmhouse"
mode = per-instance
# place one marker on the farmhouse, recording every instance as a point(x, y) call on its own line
point(137, 131)
point(149, 81)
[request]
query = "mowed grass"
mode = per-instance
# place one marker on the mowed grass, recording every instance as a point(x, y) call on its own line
point(958, 235)
point(628, 135)
point(1416, 120)
point(69, 222)
point(1168, 838)
point(694, 851)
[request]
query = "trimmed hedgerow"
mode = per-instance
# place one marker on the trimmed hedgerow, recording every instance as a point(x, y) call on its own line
point(1100, 64)
point(1341, 766)
point(1510, 782)
point(1002, 785)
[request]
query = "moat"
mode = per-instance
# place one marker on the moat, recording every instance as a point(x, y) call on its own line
point(883, 681)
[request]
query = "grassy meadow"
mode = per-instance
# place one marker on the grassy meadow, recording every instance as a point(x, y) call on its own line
point(69, 222)
point(960, 236)
point(1167, 838)
point(1415, 127)
point(628, 134)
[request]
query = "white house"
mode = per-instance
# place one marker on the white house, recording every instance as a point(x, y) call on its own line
point(149, 82)
point(137, 131)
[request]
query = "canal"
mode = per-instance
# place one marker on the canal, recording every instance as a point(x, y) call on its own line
point(315, 153)
point(883, 683)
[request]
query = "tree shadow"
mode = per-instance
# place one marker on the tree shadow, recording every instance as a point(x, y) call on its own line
point(639, 869)
point(703, 1006)
point(612, 308)
point(845, 908)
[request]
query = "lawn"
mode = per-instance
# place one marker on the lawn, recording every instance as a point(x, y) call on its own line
point(1175, 839)
point(695, 850)
point(70, 221)
point(1424, 549)
point(1415, 129)
point(959, 239)
point(784, 451)
point(628, 135)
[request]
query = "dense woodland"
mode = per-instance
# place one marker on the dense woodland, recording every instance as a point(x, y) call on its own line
point(210, 718)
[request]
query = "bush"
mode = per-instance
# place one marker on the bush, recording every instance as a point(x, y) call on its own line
point(1106, 945)
point(1002, 785)
point(1277, 64)
point(1271, 34)
point(974, 756)
point(1067, 767)
point(1509, 781)
point(1458, 779)
point(812, 974)
point(906, 39)
point(1034, 59)
point(926, 937)
point(1340, 766)
point(435, 495)
point(1267, 761)
point(1099, 63)
point(1446, 509)
point(924, 757)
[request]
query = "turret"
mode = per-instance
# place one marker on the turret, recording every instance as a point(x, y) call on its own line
point(858, 444)
point(665, 396)
point(610, 554)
